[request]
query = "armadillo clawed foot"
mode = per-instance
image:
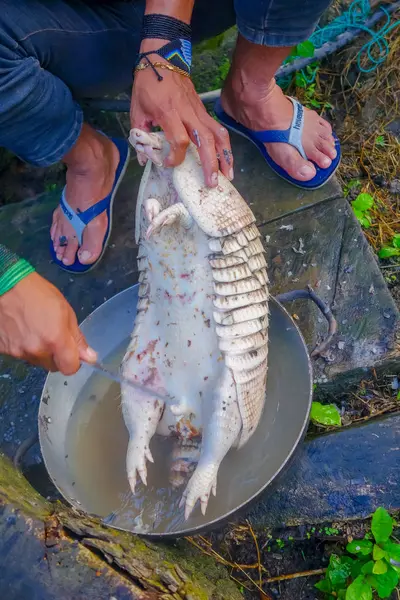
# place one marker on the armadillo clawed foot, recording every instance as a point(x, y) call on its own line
point(173, 214)
point(202, 483)
point(136, 463)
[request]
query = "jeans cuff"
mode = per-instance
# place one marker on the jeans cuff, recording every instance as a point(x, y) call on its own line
point(56, 155)
point(268, 38)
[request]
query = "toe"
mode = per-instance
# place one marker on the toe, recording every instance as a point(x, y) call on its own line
point(325, 125)
point(327, 147)
point(92, 243)
point(60, 252)
point(320, 159)
point(70, 252)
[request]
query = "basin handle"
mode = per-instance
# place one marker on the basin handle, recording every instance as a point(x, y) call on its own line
point(309, 294)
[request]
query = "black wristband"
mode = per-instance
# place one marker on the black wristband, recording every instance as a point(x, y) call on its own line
point(165, 28)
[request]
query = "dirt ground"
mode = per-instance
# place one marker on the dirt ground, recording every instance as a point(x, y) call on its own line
point(300, 552)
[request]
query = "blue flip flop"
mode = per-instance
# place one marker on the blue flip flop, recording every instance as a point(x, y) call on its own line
point(291, 136)
point(81, 219)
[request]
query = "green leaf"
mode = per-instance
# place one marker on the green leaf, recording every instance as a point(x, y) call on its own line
point(325, 414)
point(305, 49)
point(380, 140)
point(363, 202)
point(315, 103)
point(363, 547)
point(398, 395)
point(359, 590)
point(388, 251)
point(365, 221)
point(396, 240)
point(341, 594)
point(385, 583)
point(392, 550)
point(382, 525)
point(378, 553)
point(324, 586)
point(380, 567)
point(339, 570)
point(300, 80)
point(368, 567)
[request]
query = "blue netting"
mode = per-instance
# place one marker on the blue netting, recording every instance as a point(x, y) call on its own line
point(376, 48)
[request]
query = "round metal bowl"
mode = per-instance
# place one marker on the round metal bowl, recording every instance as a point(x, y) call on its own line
point(244, 473)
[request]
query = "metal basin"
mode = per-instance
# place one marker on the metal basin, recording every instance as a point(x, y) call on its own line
point(92, 477)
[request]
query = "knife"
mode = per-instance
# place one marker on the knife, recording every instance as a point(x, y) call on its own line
point(100, 368)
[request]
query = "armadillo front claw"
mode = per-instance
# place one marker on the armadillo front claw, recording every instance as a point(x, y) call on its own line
point(202, 482)
point(136, 464)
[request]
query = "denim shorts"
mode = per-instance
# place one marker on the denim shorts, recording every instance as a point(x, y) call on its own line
point(53, 52)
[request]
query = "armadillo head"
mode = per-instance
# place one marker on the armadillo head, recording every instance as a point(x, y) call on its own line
point(217, 211)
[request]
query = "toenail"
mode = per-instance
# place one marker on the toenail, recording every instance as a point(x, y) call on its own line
point(230, 174)
point(326, 162)
point(66, 261)
point(214, 179)
point(306, 171)
point(85, 255)
point(59, 256)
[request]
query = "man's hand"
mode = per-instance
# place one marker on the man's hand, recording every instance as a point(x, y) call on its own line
point(174, 105)
point(38, 325)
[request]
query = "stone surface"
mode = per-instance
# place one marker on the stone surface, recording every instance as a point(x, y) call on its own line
point(337, 262)
point(325, 247)
point(338, 476)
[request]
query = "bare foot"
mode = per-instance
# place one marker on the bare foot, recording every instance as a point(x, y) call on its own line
point(268, 108)
point(92, 164)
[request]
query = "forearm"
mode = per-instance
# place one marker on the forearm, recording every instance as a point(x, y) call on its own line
point(180, 9)
point(12, 269)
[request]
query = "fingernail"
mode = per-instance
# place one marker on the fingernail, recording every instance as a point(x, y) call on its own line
point(84, 256)
point(91, 354)
point(230, 174)
point(214, 179)
point(306, 171)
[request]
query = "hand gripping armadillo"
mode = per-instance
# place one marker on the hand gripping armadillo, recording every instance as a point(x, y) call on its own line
point(201, 332)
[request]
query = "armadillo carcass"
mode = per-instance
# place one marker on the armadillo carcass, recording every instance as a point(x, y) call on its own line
point(200, 335)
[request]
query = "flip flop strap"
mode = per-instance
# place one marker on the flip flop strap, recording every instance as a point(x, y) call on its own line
point(81, 219)
point(292, 135)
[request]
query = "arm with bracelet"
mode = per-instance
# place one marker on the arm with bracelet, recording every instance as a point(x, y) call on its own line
point(36, 322)
point(163, 93)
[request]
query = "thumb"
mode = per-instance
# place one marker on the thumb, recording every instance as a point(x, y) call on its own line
point(86, 353)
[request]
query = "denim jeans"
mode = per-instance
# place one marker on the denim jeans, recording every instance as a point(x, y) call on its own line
point(53, 52)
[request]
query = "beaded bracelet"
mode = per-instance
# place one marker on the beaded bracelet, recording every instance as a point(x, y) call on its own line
point(12, 269)
point(178, 52)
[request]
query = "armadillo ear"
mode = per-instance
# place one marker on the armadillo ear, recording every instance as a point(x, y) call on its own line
point(217, 211)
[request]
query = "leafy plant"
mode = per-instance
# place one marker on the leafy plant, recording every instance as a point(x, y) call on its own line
point(353, 183)
point(325, 414)
point(361, 207)
point(392, 250)
point(374, 566)
point(380, 141)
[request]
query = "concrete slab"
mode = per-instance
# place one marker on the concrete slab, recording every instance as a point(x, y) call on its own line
point(338, 476)
point(324, 246)
point(269, 196)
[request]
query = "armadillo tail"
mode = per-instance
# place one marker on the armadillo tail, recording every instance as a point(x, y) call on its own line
point(185, 457)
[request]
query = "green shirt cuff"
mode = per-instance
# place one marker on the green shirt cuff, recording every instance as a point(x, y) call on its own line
point(14, 274)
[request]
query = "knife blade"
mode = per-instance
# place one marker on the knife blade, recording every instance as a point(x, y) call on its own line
point(100, 368)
